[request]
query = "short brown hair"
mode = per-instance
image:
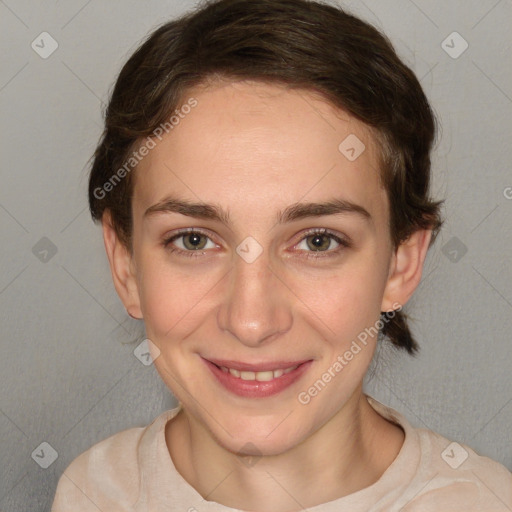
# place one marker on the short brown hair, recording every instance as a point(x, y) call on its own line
point(298, 43)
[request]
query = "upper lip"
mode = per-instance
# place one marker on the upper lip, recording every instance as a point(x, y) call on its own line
point(261, 367)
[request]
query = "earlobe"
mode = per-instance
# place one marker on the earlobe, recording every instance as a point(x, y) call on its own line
point(406, 269)
point(122, 268)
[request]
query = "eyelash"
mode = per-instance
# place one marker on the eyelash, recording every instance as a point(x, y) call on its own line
point(343, 243)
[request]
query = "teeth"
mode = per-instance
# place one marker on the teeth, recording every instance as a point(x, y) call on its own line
point(259, 376)
point(264, 376)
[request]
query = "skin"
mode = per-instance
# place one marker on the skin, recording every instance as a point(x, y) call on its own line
point(254, 149)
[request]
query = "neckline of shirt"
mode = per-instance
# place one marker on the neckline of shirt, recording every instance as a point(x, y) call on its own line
point(163, 487)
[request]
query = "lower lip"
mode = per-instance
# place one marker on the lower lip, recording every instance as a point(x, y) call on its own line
point(254, 388)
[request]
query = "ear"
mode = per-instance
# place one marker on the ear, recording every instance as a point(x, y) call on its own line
point(122, 268)
point(405, 269)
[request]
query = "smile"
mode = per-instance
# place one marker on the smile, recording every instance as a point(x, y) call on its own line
point(256, 381)
point(259, 376)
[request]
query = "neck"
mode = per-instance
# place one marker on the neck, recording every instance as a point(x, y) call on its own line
point(348, 453)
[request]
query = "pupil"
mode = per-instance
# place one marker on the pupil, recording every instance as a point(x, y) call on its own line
point(194, 240)
point(317, 241)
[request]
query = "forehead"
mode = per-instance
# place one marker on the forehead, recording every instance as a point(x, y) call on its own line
point(246, 145)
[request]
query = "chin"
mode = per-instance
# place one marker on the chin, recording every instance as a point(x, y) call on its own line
point(259, 438)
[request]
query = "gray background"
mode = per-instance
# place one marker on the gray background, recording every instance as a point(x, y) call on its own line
point(68, 373)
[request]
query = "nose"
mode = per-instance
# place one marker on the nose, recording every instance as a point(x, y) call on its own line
point(256, 307)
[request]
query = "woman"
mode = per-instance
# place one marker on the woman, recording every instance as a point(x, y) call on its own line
point(263, 188)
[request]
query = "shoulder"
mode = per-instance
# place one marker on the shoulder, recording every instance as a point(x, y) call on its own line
point(433, 473)
point(104, 475)
point(108, 475)
point(454, 477)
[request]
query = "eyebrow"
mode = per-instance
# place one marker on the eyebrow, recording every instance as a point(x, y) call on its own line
point(291, 213)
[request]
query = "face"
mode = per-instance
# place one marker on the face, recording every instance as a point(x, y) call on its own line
point(262, 279)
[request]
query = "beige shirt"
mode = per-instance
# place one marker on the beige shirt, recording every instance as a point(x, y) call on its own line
point(133, 471)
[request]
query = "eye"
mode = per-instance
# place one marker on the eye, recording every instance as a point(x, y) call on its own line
point(193, 242)
point(187, 242)
point(320, 240)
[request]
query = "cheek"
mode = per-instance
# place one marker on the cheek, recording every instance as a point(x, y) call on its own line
point(172, 299)
point(171, 302)
point(345, 300)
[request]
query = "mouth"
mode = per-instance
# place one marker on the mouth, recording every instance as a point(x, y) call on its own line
point(257, 380)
